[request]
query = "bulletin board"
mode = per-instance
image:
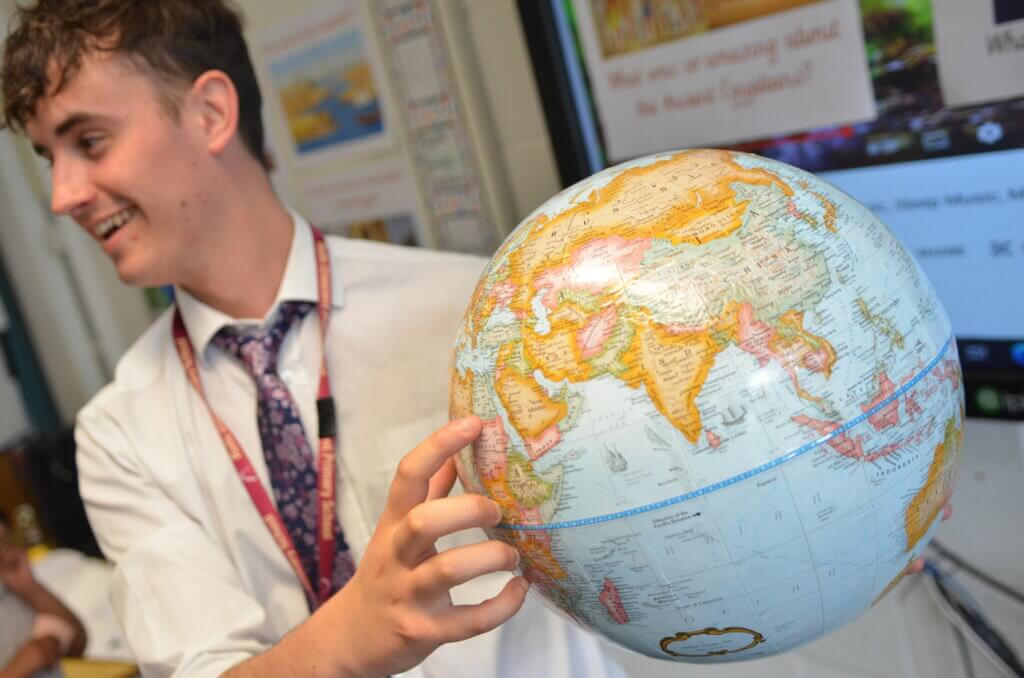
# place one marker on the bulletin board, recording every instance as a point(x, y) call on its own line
point(368, 126)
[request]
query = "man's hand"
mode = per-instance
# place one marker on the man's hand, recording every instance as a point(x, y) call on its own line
point(15, 571)
point(396, 609)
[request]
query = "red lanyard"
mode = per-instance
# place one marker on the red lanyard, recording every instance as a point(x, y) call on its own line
point(325, 414)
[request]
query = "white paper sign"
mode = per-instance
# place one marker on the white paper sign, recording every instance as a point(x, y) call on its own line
point(729, 78)
point(371, 190)
point(980, 49)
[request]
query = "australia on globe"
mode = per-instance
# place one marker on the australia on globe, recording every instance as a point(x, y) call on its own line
point(721, 404)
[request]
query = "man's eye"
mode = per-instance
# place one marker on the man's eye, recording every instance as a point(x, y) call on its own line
point(91, 143)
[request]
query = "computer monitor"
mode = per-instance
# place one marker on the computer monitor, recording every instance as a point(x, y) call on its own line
point(924, 103)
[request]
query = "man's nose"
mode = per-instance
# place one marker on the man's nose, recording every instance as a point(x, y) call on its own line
point(72, 187)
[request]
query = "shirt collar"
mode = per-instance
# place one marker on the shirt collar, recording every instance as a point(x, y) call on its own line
point(202, 322)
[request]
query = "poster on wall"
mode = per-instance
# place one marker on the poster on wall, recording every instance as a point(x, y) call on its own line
point(427, 98)
point(322, 78)
point(980, 50)
point(915, 120)
point(683, 73)
point(374, 200)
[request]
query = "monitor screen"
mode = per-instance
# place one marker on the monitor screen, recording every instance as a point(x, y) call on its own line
point(913, 107)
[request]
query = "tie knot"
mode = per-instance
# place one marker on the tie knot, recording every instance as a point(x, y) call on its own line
point(257, 347)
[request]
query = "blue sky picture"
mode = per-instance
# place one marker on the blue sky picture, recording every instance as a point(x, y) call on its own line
point(328, 93)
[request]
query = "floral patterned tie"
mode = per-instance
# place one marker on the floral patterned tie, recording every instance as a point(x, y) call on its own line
point(286, 449)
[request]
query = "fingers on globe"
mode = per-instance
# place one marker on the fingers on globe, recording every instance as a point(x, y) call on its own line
point(465, 621)
point(412, 478)
point(426, 523)
point(442, 482)
point(447, 569)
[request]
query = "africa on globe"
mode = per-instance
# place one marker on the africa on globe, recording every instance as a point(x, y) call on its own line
point(721, 404)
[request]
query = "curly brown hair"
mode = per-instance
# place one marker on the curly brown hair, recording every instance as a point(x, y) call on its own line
point(174, 40)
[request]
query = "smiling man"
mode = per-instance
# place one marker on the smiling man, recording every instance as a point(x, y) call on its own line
point(246, 455)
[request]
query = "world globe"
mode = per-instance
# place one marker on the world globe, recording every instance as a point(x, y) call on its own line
point(721, 405)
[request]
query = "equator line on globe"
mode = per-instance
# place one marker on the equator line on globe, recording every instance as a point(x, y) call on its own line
point(807, 447)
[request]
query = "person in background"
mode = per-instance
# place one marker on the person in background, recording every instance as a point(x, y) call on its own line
point(36, 629)
point(248, 453)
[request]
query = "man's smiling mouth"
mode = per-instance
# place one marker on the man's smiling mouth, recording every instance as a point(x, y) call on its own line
point(107, 227)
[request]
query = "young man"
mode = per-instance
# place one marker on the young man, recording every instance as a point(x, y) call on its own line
point(235, 536)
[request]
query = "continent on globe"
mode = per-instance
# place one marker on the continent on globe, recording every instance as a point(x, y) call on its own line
point(938, 485)
point(721, 405)
point(612, 602)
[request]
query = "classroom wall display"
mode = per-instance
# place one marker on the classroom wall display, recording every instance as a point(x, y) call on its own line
point(980, 50)
point(672, 74)
point(440, 142)
point(325, 78)
point(367, 123)
point(376, 199)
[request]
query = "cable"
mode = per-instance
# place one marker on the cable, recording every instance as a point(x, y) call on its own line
point(976, 573)
point(963, 616)
point(963, 649)
point(963, 613)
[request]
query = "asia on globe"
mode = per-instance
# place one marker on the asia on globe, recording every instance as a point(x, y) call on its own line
point(721, 404)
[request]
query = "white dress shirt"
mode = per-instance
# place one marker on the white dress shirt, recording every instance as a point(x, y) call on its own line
point(199, 583)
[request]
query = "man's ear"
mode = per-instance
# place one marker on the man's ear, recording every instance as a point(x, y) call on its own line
point(213, 105)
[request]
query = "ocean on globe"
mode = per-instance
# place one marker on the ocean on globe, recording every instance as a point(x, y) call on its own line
point(721, 404)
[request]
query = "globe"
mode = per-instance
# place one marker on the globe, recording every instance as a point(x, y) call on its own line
point(721, 405)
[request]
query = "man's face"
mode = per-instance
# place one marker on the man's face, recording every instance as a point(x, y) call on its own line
point(122, 169)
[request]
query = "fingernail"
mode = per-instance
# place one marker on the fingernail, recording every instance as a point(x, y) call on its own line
point(465, 425)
